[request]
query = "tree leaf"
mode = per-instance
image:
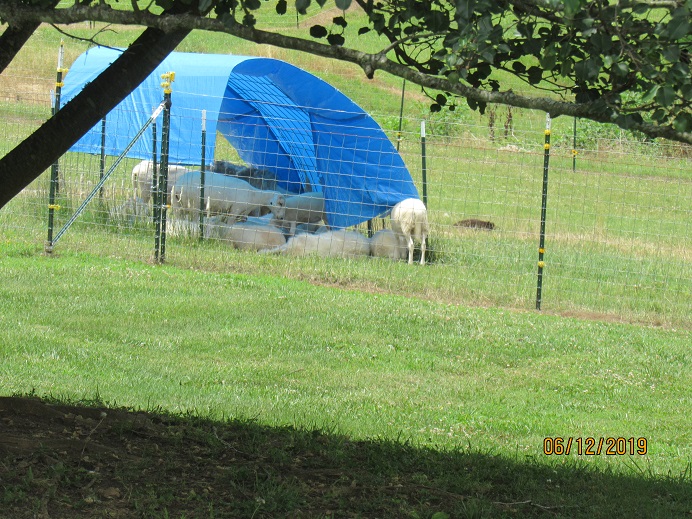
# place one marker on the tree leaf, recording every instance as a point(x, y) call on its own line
point(318, 31)
point(518, 67)
point(281, 7)
point(363, 30)
point(535, 75)
point(650, 94)
point(434, 108)
point(671, 53)
point(302, 6)
point(340, 21)
point(620, 69)
point(343, 4)
point(687, 91)
point(336, 39)
point(441, 99)
point(678, 27)
point(665, 96)
point(253, 5)
point(571, 7)
point(204, 5)
point(548, 60)
point(683, 122)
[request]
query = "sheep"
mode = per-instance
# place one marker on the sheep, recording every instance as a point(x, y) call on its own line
point(256, 177)
point(130, 211)
point(225, 195)
point(247, 235)
point(342, 244)
point(409, 219)
point(142, 178)
point(226, 168)
point(307, 208)
point(385, 243)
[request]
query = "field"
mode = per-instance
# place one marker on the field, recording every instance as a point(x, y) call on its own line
point(243, 385)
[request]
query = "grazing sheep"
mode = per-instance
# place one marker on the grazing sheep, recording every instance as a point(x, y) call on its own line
point(307, 208)
point(142, 178)
point(226, 195)
point(247, 235)
point(410, 220)
point(385, 243)
point(341, 244)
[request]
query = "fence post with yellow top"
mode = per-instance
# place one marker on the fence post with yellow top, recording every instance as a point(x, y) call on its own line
point(53, 190)
point(544, 204)
point(160, 252)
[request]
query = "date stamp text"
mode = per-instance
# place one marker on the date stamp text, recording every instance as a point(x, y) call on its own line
point(590, 446)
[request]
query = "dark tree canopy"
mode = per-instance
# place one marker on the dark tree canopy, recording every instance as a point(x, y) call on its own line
point(625, 62)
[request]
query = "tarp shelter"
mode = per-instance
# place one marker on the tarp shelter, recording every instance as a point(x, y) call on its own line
point(274, 114)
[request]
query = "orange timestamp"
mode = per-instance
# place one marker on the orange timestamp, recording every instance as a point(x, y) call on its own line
point(590, 446)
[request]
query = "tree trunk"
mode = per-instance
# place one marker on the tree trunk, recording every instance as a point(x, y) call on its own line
point(12, 40)
point(43, 147)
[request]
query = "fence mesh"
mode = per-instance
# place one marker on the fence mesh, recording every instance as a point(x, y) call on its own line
point(618, 231)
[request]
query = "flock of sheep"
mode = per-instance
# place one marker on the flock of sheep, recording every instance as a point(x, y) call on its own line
point(245, 207)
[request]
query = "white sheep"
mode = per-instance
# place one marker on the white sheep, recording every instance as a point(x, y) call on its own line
point(341, 244)
point(385, 243)
point(225, 195)
point(410, 220)
point(307, 208)
point(142, 175)
point(130, 211)
point(247, 235)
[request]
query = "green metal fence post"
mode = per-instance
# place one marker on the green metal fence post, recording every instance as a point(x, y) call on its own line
point(544, 202)
point(53, 190)
point(102, 162)
point(574, 146)
point(201, 175)
point(424, 167)
point(168, 78)
point(155, 198)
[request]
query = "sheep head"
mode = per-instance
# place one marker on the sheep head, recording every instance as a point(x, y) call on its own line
point(277, 206)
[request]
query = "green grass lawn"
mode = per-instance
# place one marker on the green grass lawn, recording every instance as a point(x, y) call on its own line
point(368, 365)
point(436, 396)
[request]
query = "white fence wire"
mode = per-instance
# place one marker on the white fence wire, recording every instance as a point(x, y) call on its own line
point(618, 231)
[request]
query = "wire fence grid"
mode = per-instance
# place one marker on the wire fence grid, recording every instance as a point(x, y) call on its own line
point(618, 237)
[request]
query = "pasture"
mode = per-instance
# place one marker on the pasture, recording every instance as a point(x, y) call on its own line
point(364, 388)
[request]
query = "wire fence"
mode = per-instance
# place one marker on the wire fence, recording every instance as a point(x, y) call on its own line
point(617, 212)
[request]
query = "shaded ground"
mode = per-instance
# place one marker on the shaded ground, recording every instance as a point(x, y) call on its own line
point(60, 461)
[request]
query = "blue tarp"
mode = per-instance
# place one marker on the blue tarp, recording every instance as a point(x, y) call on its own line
point(274, 114)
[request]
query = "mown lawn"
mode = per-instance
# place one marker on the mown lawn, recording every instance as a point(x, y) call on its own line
point(476, 388)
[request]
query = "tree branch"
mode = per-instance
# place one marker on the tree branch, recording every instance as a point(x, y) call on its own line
point(370, 63)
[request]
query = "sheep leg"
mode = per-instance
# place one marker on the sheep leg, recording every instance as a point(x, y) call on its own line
point(422, 248)
point(410, 249)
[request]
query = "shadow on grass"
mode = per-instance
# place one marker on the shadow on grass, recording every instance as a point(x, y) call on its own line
point(60, 460)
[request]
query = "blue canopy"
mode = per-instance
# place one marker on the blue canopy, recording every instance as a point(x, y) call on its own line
point(275, 115)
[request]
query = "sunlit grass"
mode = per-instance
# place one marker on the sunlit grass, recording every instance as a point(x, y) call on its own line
point(369, 364)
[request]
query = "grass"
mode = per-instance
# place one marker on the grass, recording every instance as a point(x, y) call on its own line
point(432, 383)
point(202, 341)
